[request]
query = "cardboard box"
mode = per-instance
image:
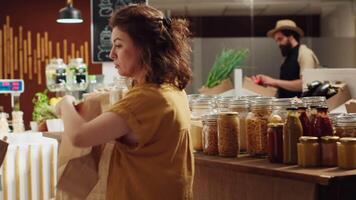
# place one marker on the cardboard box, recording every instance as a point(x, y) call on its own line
point(224, 86)
point(351, 106)
point(259, 89)
point(340, 98)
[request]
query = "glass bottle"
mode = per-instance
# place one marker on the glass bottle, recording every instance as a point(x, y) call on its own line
point(242, 108)
point(200, 107)
point(275, 142)
point(322, 124)
point(292, 131)
point(256, 123)
point(77, 75)
point(346, 151)
point(56, 75)
point(228, 134)
point(308, 151)
point(279, 108)
point(210, 134)
point(346, 126)
point(329, 151)
point(4, 124)
point(304, 120)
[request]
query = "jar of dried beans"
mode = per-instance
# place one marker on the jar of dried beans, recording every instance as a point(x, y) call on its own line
point(228, 133)
point(210, 134)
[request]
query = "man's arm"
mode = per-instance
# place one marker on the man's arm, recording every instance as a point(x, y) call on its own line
point(294, 85)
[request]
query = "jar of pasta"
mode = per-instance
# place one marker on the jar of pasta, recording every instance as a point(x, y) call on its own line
point(256, 122)
point(228, 133)
point(210, 134)
point(241, 106)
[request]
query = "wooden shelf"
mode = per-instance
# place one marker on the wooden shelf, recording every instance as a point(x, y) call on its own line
point(247, 164)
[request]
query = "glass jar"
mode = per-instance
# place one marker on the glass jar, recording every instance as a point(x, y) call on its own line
point(56, 75)
point(312, 103)
point(256, 123)
point(222, 104)
point(242, 108)
point(210, 134)
point(346, 152)
point(329, 151)
point(292, 131)
point(275, 142)
point(308, 151)
point(322, 124)
point(4, 124)
point(279, 108)
point(304, 120)
point(200, 107)
point(77, 75)
point(118, 89)
point(17, 122)
point(346, 126)
point(228, 133)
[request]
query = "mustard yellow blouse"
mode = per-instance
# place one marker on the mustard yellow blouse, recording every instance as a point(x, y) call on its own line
point(161, 165)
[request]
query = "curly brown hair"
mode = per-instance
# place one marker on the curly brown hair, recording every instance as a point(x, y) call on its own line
point(165, 43)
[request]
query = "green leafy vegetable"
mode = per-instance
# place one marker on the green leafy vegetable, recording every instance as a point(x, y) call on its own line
point(42, 110)
point(224, 64)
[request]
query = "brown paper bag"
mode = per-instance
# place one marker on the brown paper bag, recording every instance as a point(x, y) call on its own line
point(81, 174)
point(222, 87)
point(78, 167)
point(3, 150)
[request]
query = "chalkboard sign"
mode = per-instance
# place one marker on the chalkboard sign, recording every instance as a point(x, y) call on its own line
point(101, 11)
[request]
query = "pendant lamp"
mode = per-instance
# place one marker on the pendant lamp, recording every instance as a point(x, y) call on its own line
point(69, 14)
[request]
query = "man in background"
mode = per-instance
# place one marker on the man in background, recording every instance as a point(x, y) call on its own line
point(298, 57)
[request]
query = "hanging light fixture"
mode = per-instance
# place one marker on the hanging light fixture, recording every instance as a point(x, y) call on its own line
point(69, 14)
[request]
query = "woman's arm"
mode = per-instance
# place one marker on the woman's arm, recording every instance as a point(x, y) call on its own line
point(104, 128)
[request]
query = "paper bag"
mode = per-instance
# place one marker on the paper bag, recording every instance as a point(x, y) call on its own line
point(78, 167)
point(222, 87)
point(3, 150)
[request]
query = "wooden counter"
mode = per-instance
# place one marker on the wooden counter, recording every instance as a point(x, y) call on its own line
point(214, 175)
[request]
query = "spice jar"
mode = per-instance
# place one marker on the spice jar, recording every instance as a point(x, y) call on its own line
point(241, 107)
point(292, 131)
point(228, 133)
point(308, 151)
point(279, 108)
point(256, 122)
point(322, 125)
point(210, 134)
point(200, 107)
point(346, 151)
point(304, 120)
point(329, 151)
point(275, 142)
point(345, 126)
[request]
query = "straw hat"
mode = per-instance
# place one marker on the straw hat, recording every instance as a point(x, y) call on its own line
point(285, 24)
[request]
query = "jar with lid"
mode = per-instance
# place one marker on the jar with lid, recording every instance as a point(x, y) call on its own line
point(228, 134)
point(200, 107)
point(279, 108)
point(312, 103)
point(333, 119)
point(242, 108)
point(308, 151)
point(210, 134)
point(56, 75)
point(322, 124)
point(118, 89)
point(346, 152)
point(222, 103)
point(275, 142)
point(329, 151)
point(17, 122)
point(292, 131)
point(346, 126)
point(4, 124)
point(77, 75)
point(304, 120)
point(256, 123)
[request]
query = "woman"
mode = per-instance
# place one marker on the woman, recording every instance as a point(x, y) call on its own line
point(152, 158)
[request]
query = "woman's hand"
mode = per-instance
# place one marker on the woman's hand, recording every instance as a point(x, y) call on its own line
point(64, 101)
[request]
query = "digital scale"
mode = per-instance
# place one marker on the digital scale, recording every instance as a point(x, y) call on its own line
point(14, 87)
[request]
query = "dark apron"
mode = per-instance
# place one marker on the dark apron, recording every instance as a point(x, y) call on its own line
point(290, 70)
